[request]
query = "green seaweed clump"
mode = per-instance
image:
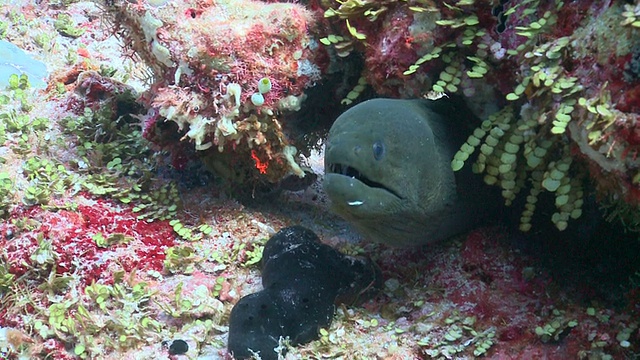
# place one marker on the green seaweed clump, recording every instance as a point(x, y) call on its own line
point(66, 27)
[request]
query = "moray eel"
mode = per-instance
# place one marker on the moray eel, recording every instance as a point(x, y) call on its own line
point(388, 172)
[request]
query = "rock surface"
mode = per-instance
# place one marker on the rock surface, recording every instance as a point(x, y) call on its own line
point(303, 280)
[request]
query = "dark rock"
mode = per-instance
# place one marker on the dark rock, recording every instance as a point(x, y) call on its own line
point(303, 280)
point(178, 347)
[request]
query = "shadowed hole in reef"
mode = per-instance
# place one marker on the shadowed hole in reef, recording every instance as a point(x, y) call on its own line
point(592, 260)
point(478, 273)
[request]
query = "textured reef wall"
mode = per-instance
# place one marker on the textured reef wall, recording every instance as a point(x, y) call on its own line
point(222, 74)
point(556, 83)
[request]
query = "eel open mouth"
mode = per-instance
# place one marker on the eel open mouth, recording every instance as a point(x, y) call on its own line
point(349, 171)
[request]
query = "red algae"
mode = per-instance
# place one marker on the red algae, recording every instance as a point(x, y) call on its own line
point(482, 277)
point(391, 52)
point(71, 236)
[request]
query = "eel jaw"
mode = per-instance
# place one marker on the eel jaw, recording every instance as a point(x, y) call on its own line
point(346, 170)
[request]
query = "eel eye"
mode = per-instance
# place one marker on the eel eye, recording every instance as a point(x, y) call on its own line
point(378, 150)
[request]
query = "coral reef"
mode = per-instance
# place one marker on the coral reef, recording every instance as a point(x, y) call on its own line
point(224, 74)
point(109, 251)
point(555, 81)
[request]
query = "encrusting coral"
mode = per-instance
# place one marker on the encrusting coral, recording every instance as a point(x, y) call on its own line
point(211, 64)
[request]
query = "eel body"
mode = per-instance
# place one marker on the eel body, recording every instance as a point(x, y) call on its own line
point(388, 172)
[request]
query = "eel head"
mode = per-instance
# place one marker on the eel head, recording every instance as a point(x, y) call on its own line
point(384, 168)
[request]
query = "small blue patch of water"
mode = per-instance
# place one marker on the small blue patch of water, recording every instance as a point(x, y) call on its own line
point(14, 60)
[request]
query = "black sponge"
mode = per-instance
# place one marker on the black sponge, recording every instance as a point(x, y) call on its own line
point(303, 280)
